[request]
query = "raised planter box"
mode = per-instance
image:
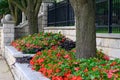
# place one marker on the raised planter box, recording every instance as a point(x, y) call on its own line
point(21, 71)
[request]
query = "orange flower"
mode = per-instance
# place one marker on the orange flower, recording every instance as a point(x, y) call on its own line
point(58, 70)
point(39, 53)
point(86, 70)
point(113, 63)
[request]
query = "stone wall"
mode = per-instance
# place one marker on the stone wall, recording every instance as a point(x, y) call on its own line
point(0, 34)
point(109, 43)
point(69, 32)
point(21, 30)
point(0, 38)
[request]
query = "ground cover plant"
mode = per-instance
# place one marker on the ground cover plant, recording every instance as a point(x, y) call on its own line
point(55, 58)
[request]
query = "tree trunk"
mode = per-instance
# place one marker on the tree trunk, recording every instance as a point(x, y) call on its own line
point(32, 18)
point(85, 28)
point(32, 23)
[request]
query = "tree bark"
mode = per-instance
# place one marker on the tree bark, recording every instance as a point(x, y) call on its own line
point(32, 18)
point(85, 28)
point(33, 24)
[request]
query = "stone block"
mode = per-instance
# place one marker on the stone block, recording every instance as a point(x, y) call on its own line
point(12, 30)
point(113, 43)
point(7, 30)
point(9, 35)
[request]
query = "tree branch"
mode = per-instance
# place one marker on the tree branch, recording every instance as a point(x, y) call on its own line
point(37, 7)
point(18, 5)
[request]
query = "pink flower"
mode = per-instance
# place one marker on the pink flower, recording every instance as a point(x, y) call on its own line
point(106, 57)
point(109, 74)
point(76, 68)
point(66, 56)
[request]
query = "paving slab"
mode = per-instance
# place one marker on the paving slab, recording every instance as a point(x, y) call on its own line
point(5, 73)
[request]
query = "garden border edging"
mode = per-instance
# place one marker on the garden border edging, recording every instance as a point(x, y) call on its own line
point(21, 71)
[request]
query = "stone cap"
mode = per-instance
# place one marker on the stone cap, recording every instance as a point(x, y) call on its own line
point(7, 19)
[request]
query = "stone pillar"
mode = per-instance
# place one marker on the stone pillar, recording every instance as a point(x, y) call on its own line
point(7, 33)
point(42, 16)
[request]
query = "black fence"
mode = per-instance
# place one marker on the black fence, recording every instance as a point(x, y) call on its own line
point(107, 15)
point(61, 14)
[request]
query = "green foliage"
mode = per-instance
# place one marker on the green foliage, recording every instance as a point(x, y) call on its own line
point(4, 7)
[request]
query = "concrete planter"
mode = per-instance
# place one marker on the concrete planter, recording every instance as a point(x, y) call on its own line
point(21, 71)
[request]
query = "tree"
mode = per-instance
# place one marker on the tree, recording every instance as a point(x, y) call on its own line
point(31, 9)
point(16, 13)
point(7, 8)
point(85, 28)
point(4, 7)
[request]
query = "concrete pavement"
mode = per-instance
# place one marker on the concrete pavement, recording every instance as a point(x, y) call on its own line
point(5, 73)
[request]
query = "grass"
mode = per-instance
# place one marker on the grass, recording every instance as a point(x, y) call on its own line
point(105, 30)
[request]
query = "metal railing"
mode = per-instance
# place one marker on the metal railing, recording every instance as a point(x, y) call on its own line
point(107, 15)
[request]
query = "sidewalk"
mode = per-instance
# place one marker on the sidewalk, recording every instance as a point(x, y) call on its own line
point(5, 73)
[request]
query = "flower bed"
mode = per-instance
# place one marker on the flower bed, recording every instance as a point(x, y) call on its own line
point(55, 59)
point(58, 64)
point(37, 42)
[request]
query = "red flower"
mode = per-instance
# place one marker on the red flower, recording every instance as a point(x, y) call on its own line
point(67, 74)
point(40, 60)
point(39, 53)
point(60, 63)
point(57, 70)
point(53, 47)
point(49, 72)
point(28, 45)
point(58, 54)
point(76, 78)
point(43, 70)
point(32, 62)
point(113, 63)
point(63, 40)
point(57, 78)
point(65, 78)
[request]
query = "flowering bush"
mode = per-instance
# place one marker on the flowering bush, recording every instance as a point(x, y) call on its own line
point(37, 42)
point(59, 64)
